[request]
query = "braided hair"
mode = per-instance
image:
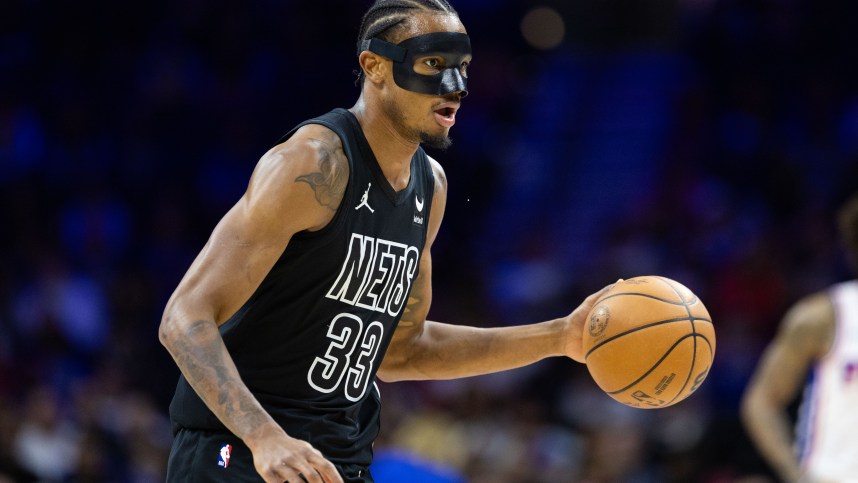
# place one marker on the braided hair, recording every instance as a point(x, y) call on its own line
point(385, 17)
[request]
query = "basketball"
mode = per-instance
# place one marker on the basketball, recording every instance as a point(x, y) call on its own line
point(649, 342)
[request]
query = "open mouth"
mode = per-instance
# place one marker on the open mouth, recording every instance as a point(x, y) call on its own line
point(446, 112)
point(446, 116)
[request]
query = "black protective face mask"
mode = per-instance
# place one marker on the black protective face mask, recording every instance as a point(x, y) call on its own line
point(453, 47)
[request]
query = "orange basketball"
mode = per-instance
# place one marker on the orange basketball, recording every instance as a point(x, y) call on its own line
point(649, 342)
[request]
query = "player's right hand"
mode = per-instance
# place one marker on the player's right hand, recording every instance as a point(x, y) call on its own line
point(279, 457)
point(574, 325)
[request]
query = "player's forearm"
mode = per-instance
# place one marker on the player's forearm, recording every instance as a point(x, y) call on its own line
point(446, 351)
point(769, 427)
point(201, 355)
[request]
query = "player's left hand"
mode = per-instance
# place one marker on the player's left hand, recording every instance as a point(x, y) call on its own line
point(574, 325)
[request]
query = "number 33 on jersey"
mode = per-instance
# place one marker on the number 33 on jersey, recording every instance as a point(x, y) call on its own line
point(376, 275)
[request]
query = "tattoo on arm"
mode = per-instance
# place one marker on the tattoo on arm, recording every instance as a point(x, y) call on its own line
point(329, 183)
point(204, 361)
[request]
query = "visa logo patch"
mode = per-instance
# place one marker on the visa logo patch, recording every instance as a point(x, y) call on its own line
point(223, 457)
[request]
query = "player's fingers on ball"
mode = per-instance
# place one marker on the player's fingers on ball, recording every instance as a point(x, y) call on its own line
point(592, 298)
point(606, 288)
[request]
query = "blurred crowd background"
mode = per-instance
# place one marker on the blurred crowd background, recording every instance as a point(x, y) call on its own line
point(709, 141)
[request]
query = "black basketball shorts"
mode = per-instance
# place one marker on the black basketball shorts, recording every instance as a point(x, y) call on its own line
point(199, 456)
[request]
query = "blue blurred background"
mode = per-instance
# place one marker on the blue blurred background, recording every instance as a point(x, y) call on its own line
point(705, 140)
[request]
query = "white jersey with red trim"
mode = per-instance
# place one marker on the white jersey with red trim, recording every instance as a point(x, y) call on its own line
point(828, 422)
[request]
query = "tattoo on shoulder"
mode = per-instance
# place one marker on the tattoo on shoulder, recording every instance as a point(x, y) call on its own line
point(329, 183)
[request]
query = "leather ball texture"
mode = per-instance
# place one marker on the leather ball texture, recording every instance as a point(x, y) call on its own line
point(649, 342)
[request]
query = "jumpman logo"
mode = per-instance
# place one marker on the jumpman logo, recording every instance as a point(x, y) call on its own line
point(363, 200)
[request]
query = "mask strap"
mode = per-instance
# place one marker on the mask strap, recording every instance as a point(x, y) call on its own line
point(386, 49)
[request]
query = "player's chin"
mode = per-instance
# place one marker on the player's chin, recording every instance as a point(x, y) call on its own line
point(440, 141)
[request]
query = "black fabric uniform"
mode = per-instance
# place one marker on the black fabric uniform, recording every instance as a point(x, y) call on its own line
point(308, 342)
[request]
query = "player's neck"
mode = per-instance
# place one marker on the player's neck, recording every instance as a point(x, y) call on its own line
point(392, 151)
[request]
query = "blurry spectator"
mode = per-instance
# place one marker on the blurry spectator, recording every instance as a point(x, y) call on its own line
point(62, 310)
point(47, 443)
point(11, 469)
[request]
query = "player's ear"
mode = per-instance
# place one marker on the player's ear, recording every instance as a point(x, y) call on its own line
point(374, 66)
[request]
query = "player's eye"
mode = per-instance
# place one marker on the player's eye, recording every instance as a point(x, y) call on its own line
point(464, 68)
point(433, 62)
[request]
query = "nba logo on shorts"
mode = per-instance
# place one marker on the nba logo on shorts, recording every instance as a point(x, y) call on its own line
point(223, 457)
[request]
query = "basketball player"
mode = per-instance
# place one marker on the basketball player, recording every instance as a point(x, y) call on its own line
point(294, 305)
point(820, 334)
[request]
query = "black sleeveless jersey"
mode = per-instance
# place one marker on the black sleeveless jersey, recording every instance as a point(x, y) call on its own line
point(309, 340)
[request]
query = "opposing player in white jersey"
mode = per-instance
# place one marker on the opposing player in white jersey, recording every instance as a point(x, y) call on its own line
point(818, 335)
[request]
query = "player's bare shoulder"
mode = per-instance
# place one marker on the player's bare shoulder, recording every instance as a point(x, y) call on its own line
point(810, 325)
point(307, 175)
point(318, 160)
point(329, 174)
point(440, 176)
point(439, 199)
